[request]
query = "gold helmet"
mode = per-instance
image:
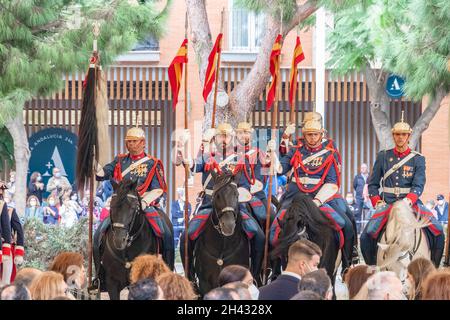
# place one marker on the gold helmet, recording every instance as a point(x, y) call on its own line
point(135, 133)
point(224, 128)
point(244, 126)
point(402, 126)
point(312, 116)
point(312, 126)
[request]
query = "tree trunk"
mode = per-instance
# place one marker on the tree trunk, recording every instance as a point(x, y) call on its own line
point(379, 107)
point(427, 115)
point(22, 156)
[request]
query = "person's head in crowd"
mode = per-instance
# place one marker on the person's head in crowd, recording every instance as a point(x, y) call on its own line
point(35, 177)
point(349, 198)
point(15, 292)
point(222, 294)
point(176, 287)
point(233, 273)
point(437, 285)
point(384, 285)
point(26, 276)
point(52, 200)
point(356, 277)
point(241, 288)
point(7, 197)
point(364, 169)
point(180, 193)
point(317, 281)
point(418, 270)
point(430, 204)
point(147, 266)
point(303, 257)
point(33, 202)
point(74, 196)
point(48, 285)
point(12, 176)
point(145, 289)
point(56, 173)
point(70, 265)
point(440, 200)
point(307, 295)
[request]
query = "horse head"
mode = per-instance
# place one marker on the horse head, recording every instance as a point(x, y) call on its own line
point(225, 200)
point(125, 206)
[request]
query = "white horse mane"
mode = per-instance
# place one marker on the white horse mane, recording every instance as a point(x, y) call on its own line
point(400, 231)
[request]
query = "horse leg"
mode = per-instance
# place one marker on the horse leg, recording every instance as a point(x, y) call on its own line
point(112, 286)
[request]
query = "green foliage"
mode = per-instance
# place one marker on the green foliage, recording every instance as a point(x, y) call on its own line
point(6, 148)
point(43, 242)
point(41, 40)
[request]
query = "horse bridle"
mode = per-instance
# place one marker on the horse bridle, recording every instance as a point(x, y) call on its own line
point(226, 209)
point(129, 239)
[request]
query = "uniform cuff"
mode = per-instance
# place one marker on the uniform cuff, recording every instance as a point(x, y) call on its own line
point(374, 200)
point(6, 249)
point(20, 251)
point(413, 197)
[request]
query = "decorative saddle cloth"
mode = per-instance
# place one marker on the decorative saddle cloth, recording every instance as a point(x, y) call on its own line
point(198, 222)
point(329, 212)
point(258, 208)
point(380, 217)
point(155, 220)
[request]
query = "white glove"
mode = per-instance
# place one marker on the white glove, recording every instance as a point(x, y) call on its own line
point(188, 161)
point(271, 145)
point(380, 204)
point(290, 129)
point(18, 260)
point(408, 201)
point(144, 204)
point(184, 137)
point(317, 203)
point(208, 135)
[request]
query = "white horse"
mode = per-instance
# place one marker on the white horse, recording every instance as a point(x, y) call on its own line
point(403, 240)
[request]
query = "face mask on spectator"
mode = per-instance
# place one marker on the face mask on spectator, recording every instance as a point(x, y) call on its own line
point(74, 198)
point(33, 203)
point(39, 178)
point(440, 202)
point(349, 200)
point(58, 175)
point(51, 202)
point(254, 292)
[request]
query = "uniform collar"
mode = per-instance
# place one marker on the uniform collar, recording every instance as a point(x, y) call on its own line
point(138, 157)
point(402, 154)
point(313, 149)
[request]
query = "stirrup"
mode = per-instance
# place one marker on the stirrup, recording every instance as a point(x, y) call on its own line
point(355, 256)
point(94, 289)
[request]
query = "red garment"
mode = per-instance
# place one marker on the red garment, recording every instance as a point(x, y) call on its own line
point(402, 154)
point(104, 214)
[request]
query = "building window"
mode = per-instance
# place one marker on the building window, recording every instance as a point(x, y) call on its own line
point(246, 29)
point(148, 44)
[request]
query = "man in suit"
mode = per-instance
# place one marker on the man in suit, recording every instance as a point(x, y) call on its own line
point(441, 208)
point(359, 182)
point(177, 211)
point(303, 257)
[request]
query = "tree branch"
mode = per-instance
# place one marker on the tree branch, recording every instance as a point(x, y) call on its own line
point(427, 116)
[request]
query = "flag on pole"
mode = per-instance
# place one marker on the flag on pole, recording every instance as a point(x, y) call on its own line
point(276, 51)
point(298, 57)
point(176, 71)
point(210, 74)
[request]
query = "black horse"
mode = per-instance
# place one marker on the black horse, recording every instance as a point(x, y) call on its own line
point(223, 241)
point(304, 220)
point(129, 235)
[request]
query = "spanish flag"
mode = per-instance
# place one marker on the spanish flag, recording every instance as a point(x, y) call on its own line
point(296, 59)
point(176, 71)
point(210, 75)
point(276, 51)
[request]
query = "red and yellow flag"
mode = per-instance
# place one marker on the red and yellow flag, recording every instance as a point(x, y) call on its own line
point(296, 59)
point(210, 75)
point(274, 61)
point(176, 71)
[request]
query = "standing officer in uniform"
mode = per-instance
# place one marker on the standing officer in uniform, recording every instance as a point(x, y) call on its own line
point(5, 231)
point(400, 172)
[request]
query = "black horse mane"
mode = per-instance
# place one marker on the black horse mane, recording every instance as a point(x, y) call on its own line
point(302, 208)
point(124, 188)
point(222, 179)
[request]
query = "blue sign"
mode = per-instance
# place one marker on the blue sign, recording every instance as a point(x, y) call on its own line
point(394, 86)
point(53, 147)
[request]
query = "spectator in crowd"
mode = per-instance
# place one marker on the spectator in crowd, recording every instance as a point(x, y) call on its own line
point(303, 257)
point(58, 183)
point(356, 277)
point(319, 282)
point(26, 276)
point(145, 289)
point(353, 207)
point(441, 208)
point(359, 182)
point(233, 273)
point(7, 197)
point(147, 266)
point(437, 285)
point(105, 210)
point(430, 206)
point(12, 184)
point(48, 285)
point(176, 287)
point(70, 211)
point(105, 190)
point(51, 212)
point(307, 295)
point(418, 270)
point(384, 285)
point(15, 292)
point(33, 210)
point(241, 289)
point(221, 294)
point(177, 211)
point(71, 266)
point(36, 186)
point(280, 192)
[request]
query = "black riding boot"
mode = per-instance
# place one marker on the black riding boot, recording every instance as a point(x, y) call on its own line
point(437, 245)
point(168, 246)
point(257, 254)
point(368, 248)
